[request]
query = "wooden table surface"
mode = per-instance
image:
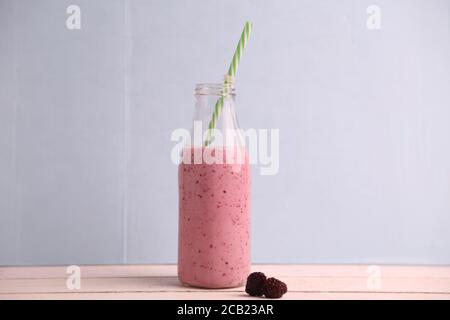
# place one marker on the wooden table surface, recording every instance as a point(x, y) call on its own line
point(160, 282)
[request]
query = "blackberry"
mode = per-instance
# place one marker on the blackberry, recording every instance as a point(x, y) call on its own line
point(274, 288)
point(255, 284)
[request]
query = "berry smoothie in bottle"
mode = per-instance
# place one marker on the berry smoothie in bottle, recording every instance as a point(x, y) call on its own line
point(214, 202)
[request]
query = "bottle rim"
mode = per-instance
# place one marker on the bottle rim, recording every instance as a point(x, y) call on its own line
point(215, 89)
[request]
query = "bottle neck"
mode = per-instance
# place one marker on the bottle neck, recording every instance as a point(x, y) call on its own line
point(215, 110)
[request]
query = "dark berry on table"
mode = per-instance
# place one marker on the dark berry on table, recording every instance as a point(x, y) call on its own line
point(274, 288)
point(255, 284)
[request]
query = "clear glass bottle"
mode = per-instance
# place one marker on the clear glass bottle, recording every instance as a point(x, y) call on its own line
point(214, 197)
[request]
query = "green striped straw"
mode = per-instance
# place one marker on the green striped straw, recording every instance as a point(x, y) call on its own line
point(229, 80)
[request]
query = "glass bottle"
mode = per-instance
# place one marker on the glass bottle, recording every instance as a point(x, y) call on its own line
point(214, 196)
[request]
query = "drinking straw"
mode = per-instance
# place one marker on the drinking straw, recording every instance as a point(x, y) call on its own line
point(229, 80)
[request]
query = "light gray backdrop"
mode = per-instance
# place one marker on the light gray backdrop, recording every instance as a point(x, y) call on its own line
point(86, 117)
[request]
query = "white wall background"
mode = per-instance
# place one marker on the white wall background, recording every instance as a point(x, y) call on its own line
point(86, 117)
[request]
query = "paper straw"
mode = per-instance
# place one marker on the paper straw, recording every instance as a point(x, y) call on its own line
point(229, 80)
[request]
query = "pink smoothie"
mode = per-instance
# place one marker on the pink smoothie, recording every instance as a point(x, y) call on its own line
point(214, 225)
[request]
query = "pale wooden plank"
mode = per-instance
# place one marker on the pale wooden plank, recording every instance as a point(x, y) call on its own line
point(225, 296)
point(274, 270)
point(159, 282)
point(171, 284)
point(88, 271)
point(394, 271)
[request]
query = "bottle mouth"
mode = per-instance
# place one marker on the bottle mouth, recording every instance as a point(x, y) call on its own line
point(215, 89)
